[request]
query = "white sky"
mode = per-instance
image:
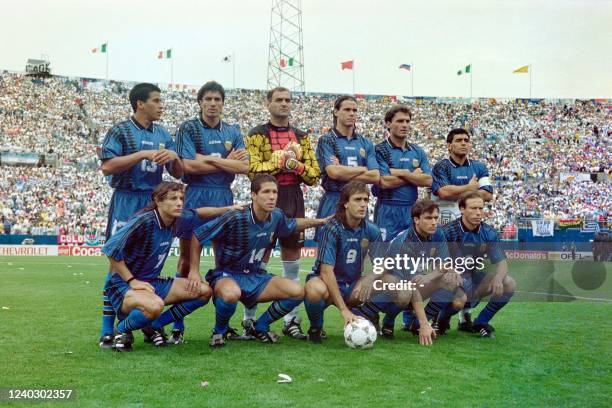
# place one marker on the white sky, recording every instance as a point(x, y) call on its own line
point(566, 41)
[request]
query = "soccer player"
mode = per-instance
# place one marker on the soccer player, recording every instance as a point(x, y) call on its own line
point(474, 239)
point(343, 156)
point(243, 237)
point(458, 175)
point(134, 154)
point(403, 168)
point(279, 149)
point(213, 152)
point(137, 253)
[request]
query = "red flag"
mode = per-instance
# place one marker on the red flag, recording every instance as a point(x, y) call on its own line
point(283, 63)
point(347, 65)
point(160, 55)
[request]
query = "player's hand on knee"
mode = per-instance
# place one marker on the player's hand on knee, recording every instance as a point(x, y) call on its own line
point(452, 279)
point(419, 280)
point(349, 317)
point(496, 287)
point(140, 285)
point(193, 283)
point(426, 334)
point(365, 290)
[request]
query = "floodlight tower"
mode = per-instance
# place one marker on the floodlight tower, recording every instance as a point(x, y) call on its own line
point(286, 52)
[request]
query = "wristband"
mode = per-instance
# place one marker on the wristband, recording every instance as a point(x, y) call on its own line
point(129, 280)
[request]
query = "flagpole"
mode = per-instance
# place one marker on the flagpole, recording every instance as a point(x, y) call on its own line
point(234, 70)
point(353, 77)
point(171, 66)
point(471, 75)
point(530, 68)
point(106, 60)
point(412, 80)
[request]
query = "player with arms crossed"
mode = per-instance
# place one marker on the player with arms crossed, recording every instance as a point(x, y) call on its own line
point(469, 237)
point(213, 152)
point(137, 253)
point(343, 156)
point(134, 153)
point(279, 149)
point(243, 237)
point(457, 175)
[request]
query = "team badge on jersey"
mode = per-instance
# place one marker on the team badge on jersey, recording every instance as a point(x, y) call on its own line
point(228, 145)
point(362, 152)
point(364, 243)
point(415, 163)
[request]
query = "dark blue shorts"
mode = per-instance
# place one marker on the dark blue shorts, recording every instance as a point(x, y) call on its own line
point(345, 288)
point(123, 205)
point(204, 196)
point(471, 281)
point(251, 284)
point(116, 288)
point(392, 219)
point(327, 207)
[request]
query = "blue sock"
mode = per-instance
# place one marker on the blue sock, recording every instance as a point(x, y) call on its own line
point(177, 312)
point(407, 317)
point(277, 309)
point(391, 313)
point(492, 308)
point(315, 312)
point(135, 320)
point(439, 301)
point(223, 313)
point(179, 324)
point(108, 313)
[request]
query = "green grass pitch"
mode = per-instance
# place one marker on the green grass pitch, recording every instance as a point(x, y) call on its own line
point(545, 354)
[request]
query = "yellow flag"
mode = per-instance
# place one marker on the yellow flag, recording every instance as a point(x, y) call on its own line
point(522, 70)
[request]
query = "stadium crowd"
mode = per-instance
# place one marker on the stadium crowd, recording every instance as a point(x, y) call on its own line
point(526, 146)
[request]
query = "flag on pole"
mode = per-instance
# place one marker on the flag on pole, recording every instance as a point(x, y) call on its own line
point(522, 70)
point(165, 54)
point(282, 63)
point(347, 64)
point(407, 67)
point(101, 49)
point(227, 58)
point(466, 70)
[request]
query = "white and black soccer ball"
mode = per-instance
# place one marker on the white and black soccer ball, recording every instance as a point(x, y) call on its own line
point(360, 334)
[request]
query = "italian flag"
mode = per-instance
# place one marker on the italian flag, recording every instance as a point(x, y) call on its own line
point(466, 70)
point(101, 48)
point(165, 54)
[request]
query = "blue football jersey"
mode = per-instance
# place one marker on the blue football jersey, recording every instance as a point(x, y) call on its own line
point(242, 240)
point(144, 242)
point(129, 137)
point(410, 243)
point(410, 158)
point(355, 152)
point(345, 248)
point(447, 172)
point(196, 137)
point(484, 241)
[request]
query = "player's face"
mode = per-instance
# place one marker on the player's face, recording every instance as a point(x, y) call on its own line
point(357, 206)
point(280, 105)
point(472, 213)
point(172, 204)
point(346, 115)
point(266, 197)
point(211, 105)
point(460, 146)
point(426, 224)
point(153, 107)
point(400, 125)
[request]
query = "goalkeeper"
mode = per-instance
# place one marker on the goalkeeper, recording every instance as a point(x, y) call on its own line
point(283, 151)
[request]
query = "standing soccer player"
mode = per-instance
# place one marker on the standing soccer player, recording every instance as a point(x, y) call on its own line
point(281, 150)
point(471, 238)
point(243, 237)
point(458, 175)
point(343, 156)
point(134, 153)
point(137, 253)
point(213, 152)
point(403, 168)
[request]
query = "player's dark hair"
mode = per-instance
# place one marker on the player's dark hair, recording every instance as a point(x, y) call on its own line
point(458, 131)
point(160, 193)
point(468, 196)
point(350, 188)
point(338, 104)
point(141, 92)
point(271, 92)
point(395, 109)
point(261, 178)
point(211, 86)
point(423, 206)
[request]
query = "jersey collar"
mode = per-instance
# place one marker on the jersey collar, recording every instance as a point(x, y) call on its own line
point(158, 219)
point(455, 164)
point(139, 126)
point(206, 126)
point(391, 145)
point(337, 133)
point(466, 229)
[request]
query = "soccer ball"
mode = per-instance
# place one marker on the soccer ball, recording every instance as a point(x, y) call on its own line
point(360, 334)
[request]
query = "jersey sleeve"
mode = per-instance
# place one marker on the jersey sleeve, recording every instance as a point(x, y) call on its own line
point(371, 162)
point(260, 150)
point(285, 226)
point(381, 159)
point(424, 161)
point(215, 227)
point(440, 176)
point(238, 141)
point(376, 247)
point(188, 220)
point(484, 181)
point(325, 152)
point(327, 247)
point(494, 248)
point(169, 141)
point(114, 247)
point(312, 172)
point(184, 142)
point(112, 146)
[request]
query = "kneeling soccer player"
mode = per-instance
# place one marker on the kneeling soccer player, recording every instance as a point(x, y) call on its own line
point(475, 239)
point(242, 239)
point(137, 253)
